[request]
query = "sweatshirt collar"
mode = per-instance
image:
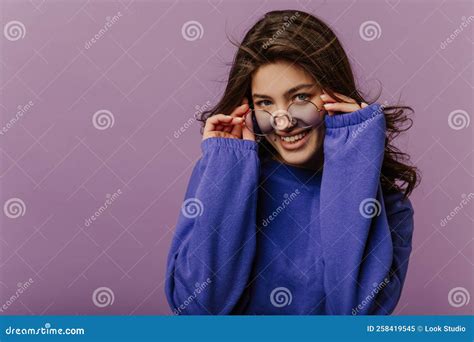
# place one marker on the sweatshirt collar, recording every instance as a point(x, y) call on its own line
point(304, 175)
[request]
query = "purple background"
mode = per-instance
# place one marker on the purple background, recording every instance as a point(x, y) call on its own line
point(153, 80)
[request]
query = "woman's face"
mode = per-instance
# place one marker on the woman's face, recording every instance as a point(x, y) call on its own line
point(274, 87)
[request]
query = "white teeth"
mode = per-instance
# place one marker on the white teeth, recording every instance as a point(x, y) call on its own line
point(294, 138)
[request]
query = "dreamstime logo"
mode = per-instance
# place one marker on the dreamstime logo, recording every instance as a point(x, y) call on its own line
point(361, 127)
point(192, 30)
point(109, 22)
point(377, 287)
point(110, 199)
point(14, 208)
point(464, 24)
point(102, 297)
point(22, 287)
point(466, 199)
point(14, 30)
point(47, 329)
point(18, 115)
point(280, 297)
point(103, 119)
point(458, 119)
point(192, 208)
point(199, 288)
point(370, 30)
point(197, 113)
point(458, 296)
point(284, 204)
point(370, 208)
point(286, 24)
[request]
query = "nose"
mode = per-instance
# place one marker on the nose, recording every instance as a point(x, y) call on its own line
point(292, 122)
point(282, 120)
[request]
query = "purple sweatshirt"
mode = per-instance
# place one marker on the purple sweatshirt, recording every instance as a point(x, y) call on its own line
point(262, 237)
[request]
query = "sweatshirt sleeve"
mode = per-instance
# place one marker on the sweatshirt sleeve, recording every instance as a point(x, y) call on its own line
point(212, 252)
point(366, 235)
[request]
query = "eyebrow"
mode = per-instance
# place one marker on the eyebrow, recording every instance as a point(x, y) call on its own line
point(288, 92)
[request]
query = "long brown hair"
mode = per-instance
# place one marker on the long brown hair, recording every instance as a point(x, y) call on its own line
point(305, 40)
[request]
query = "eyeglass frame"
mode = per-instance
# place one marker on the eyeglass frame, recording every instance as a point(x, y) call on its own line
point(254, 120)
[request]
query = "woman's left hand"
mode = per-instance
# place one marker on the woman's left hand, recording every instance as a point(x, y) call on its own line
point(331, 105)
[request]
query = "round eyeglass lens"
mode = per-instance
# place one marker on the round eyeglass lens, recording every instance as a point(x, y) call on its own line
point(303, 114)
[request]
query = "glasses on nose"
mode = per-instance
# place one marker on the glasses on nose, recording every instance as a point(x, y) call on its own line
point(299, 115)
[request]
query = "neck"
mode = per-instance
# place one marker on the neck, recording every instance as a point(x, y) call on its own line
point(315, 163)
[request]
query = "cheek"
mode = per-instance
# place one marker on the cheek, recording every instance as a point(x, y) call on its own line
point(319, 137)
point(271, 138)
point(315, 136)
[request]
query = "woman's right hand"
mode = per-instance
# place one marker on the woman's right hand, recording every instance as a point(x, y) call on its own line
point(228, 126)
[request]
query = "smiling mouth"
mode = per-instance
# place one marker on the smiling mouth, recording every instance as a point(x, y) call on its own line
point(294, 138)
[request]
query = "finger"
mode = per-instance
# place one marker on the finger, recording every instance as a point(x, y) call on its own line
point(245, 101)
point(220, 135)
point(327, 98)
point(363, 104)
point(240, 110)
point(342, 97)
point(341, 107)
point(247, 134)
point(346, 98)
point(215, 120)
point(226, 135)
point(229, 127)
point(237, 130)
point(247, 129)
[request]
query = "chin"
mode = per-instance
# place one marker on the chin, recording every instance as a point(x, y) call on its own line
point(296, 159)
point(301, 152)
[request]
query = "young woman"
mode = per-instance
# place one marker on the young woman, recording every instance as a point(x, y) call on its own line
point(299, 204)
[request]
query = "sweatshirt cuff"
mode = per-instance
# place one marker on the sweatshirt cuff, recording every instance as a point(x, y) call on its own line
point(239, 144)
point(354, 118)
